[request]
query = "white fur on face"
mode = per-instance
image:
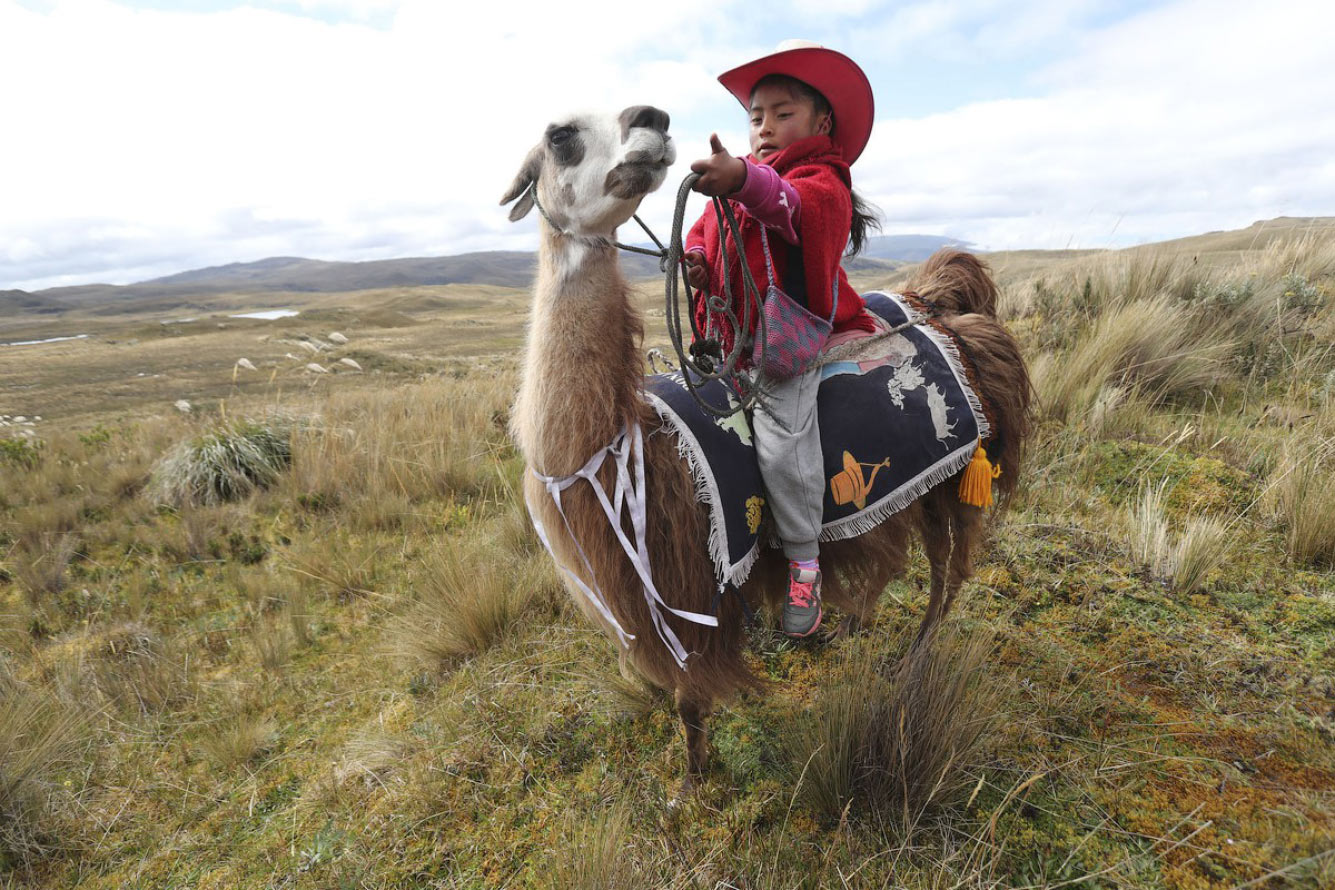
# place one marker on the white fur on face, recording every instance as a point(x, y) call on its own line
point(577, 197)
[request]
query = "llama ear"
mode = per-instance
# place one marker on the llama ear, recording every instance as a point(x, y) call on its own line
point(524, 181)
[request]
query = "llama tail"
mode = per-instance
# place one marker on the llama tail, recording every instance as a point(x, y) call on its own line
point(960, 287)
point(956, 282)
point(1003, 383)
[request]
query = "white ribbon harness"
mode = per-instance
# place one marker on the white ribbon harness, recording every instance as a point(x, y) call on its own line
point(629, 493)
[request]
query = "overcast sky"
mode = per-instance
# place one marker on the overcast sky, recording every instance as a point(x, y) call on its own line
point(139, 139)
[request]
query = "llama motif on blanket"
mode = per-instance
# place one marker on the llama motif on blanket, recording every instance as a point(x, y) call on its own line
point(896, 418)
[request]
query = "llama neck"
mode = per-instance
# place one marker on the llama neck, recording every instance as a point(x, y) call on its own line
point(582, 371)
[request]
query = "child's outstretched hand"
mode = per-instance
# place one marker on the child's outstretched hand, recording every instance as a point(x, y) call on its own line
point(720, 174)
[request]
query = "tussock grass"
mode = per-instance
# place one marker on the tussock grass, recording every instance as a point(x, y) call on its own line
point(898, 742)
point(466, 600)
point(342, 563)
point(40, 740)
point(1152, 344)
point(1301, 496)
point(273, 643)
point(432, 440)
point(198, 529)
point(598, 854)
point(237, 740)
point(1204, 545)
point(227, 464)
point(40, 563)
point(178, 636)
point(1183, 560)
point(297, 610)
point(15, 622)
point(136, 670)
point(1147, 530)
point(371, 755)
point(624, 694)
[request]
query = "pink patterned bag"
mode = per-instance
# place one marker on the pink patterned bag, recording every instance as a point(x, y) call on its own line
point(793, 336)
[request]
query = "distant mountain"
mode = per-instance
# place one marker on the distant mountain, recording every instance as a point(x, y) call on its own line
point(18, 302)
point(909, 248)
point(189, 291)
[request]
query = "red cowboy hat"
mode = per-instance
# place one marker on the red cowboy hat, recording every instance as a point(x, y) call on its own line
point(835, 75)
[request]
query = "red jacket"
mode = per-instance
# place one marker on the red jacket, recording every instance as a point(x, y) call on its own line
point(815, 168)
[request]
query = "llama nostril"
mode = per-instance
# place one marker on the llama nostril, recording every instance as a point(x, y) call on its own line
point(645, 116)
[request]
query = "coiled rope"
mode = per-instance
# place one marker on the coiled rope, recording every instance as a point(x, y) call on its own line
point(703, 361)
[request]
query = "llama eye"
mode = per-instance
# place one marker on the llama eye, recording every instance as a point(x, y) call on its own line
point(561, 136)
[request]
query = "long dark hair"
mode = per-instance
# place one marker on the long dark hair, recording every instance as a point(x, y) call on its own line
point(866, 217)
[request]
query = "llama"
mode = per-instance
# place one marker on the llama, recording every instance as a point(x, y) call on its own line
point(582, 387)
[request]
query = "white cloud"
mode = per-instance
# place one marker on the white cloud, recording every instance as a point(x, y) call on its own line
point(141, 139)
point(176, 120)
point(1195, 116)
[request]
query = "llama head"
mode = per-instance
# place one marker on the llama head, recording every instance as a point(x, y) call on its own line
point(590, 171)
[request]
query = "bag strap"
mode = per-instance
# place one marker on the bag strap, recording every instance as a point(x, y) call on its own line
point(794, 277)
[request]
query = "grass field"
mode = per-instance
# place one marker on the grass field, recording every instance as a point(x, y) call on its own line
point(366, 674)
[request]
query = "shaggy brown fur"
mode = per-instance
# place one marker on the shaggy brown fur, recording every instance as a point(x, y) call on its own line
point(583, 383)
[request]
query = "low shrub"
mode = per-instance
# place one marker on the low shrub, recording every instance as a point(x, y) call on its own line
point(225, 465)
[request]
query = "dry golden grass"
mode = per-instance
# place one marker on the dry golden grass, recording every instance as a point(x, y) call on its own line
point(467, 598)
point(341, 563)
point(41, 739)
point(598, 854)
point(372, 755)
point(1301, 496)
point(1147, 530)
point(401, 446)
point(1204, 546)
point(273, 642)
point(1153, 344)
point(40, 563)
point(236, 740)
point(247, 729)
point(138, 672)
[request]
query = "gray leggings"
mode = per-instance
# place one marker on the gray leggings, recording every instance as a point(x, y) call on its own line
point(787, 443)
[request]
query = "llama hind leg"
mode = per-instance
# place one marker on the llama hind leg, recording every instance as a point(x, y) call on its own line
point(966, 525)
point(936, 539)
point(694, 710)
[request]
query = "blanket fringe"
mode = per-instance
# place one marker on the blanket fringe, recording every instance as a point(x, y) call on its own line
point(865, 520)
point(950, 349)
point(688, 449)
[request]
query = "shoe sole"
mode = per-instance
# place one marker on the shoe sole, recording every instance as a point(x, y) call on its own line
point(815, 627)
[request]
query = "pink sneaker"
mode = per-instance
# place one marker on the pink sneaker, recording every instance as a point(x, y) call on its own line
point(801, 610)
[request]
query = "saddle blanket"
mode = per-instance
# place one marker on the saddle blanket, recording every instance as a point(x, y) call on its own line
point(896, 416)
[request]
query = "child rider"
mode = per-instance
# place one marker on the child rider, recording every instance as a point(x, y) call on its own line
point(811, 114)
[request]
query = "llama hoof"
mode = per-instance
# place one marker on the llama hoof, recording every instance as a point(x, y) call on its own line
point(847, 628)
point(685, 792)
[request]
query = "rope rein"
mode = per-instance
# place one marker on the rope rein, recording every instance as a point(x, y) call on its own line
point(703, 360)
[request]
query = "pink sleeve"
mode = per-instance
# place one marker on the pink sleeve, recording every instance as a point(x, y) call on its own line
point(768, 197)
point(695, 238)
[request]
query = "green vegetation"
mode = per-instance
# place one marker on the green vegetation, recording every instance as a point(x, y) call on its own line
point(353, 666)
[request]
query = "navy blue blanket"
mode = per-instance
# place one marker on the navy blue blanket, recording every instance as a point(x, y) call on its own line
point(896, 417)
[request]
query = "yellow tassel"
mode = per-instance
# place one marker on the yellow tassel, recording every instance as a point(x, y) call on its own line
point(976, 484)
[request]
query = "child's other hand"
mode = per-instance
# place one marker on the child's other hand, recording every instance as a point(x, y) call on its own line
point(720, 174)
point(697, 275)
